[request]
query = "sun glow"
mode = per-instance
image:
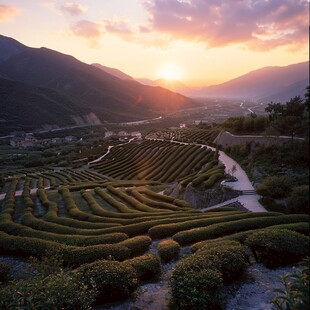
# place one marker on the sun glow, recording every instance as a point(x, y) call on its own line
point(170, 71)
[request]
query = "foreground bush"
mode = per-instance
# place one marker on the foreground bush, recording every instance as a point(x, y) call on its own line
point(62, 290)
point(195, 290)
point(147, 266)
point(113, 280)
point(196, 280)
point(278, 247)
point(168, 250)
point(4, 272)
point(295, 294)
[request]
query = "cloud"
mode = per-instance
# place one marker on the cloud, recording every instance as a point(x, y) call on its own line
point(7, 12)
point(118, 27)
point(73, 9)
point(88, 30)
point(259, 24)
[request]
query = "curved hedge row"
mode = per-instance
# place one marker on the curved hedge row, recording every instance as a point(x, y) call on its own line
point(301, 227)
point(29, 246)
point(278, 247)
point(167, 230)
point(217, 230)
point(152, 160)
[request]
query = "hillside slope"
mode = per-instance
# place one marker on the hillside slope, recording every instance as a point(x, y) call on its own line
point(108, 97)
point(262, 83)
point(33, 107)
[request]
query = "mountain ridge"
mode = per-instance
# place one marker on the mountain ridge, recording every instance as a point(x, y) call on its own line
point(260, 83)
point(106, 96)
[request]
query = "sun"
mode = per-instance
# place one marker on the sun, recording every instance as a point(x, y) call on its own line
point(170, 71)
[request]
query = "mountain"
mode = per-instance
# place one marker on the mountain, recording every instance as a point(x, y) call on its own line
point(175, 86)
point(262, 83)
point(34, 107)
point(114, 72)
point(10, 47)
point(295, 89)
point(107, 97)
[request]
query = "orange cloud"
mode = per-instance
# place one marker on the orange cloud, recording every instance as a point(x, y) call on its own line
point(7, 12)
point(259, 25)
point(88, 30)
point(73, 9)
point(118, 27)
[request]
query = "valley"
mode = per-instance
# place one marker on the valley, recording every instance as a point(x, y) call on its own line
point(119, 192)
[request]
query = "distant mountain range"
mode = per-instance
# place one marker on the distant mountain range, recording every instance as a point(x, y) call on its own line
point(265, 85)
point(42, 88)
point(68, 91)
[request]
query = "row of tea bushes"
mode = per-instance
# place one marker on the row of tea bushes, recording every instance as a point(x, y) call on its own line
point(152, 160)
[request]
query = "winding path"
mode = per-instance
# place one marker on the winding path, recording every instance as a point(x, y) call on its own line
point(248, 198)
point(109, 150)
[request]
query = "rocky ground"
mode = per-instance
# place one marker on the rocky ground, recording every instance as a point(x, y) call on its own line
point(254, 291)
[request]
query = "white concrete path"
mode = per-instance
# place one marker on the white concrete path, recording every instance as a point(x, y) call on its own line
point(243, 183)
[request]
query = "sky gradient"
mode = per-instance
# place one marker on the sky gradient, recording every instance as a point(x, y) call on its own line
point(204, 41)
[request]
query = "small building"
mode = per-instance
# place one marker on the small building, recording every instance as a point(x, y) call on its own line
point(16, 141)
point(56, 140)
point(70, 138)
point(136, 134)
point(123, 134)
point(182, 125)
point(108, 134)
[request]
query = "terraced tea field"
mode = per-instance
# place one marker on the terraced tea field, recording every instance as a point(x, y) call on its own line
point(107, 212)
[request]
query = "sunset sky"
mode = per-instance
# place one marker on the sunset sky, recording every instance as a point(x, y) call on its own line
point(201, 42)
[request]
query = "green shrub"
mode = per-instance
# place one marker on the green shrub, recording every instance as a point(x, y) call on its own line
point(229, 258)
point(137, 245)
point(114, 281)
point(295, 294)
point(275, 187)
point(56, 291)
point(147, 266)
point(278, 247)
point(195, 280)
point(168, 250)
point(298, 201)
point(195, 290)
point(4, 272)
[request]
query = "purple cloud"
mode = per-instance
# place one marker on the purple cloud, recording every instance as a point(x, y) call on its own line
point(260, 24)
point(73, 9)
point(7, 12)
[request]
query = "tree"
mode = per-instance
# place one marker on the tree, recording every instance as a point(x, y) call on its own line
point(294, 107)
point(275, 110)
point(233, 170)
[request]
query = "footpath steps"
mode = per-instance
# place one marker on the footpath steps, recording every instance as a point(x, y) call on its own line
point(248, 192)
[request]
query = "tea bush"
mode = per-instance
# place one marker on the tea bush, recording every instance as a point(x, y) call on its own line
point(147, 266)
point(278, 247)
point(113, 280)
point(168, 250)
point(195, 280)
point(62, 290)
